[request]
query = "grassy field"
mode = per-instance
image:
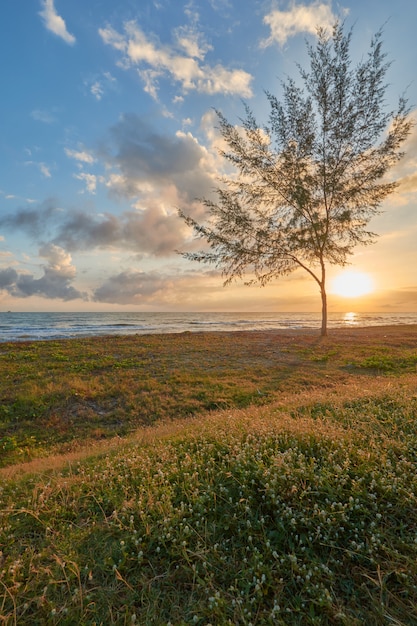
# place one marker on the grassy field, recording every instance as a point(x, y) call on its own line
point(230, 478)
point(56, 394)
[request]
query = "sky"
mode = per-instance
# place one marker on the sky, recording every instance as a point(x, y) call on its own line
point(108, 128)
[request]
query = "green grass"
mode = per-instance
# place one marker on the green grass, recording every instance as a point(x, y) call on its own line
point(300, 511)
point(252, 517)
point(54, 394)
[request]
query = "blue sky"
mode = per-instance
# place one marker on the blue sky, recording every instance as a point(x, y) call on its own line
point(107, 127)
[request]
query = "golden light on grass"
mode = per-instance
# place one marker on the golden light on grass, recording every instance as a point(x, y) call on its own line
point(315, 485)
point(352, 284)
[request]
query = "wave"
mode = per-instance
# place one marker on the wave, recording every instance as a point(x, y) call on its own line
point(44, 326)
point(122, 325)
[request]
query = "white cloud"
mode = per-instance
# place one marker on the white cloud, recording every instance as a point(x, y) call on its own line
point(90, 181)
point(155, 60)
point(59, 261)
point(54, 22)
point(99, 85)
point(299, 18)
point(12, 196)
point(80, 155)
point(42, 167)
point(150, 79)
point(219, 5)
point(45, 170)
point(191, 42)
point(84, 157)
point(42, 116)
point(97, 90)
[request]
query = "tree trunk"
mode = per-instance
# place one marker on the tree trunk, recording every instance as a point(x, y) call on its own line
point(323, 310)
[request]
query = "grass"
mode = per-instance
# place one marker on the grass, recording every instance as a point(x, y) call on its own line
point(55, 394)
point(298, 510)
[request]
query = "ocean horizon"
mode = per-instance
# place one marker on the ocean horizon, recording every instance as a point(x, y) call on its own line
point(33, 326)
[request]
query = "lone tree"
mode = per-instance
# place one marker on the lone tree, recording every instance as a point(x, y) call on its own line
point(305, 186)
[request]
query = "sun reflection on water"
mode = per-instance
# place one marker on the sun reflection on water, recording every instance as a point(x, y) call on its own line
point(350, 319)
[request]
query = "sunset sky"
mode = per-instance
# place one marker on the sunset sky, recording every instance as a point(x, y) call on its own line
point(107, 128)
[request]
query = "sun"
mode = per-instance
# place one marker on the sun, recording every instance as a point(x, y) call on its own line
point(352, 284)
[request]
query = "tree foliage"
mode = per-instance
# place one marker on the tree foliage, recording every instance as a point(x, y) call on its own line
point(305, 186)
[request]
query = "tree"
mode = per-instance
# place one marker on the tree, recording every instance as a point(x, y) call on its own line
point(305, 186)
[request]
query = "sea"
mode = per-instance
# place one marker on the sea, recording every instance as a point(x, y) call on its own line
point(44, 326)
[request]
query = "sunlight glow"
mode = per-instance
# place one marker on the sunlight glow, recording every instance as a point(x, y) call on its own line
point(352, 284)
point(350, 318)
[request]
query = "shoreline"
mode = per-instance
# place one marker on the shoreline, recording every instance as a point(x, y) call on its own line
point(56, 326)
point(378, 329)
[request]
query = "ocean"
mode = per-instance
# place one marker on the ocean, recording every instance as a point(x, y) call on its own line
point(41, 326)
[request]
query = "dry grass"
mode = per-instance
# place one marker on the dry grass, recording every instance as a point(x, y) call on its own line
point(277, 410)
point(55, 394)
point(297, 508)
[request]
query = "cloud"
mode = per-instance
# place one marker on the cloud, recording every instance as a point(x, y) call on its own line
point(148, 232)
point(408, 184)
point(161, 289)
point(151, 231)
point(12, 196)
point(97, 90)
point(155, 232)
point(220, 5)
point(8, 278)
point(192, 290)
point(181, 62)
point(157, 173)
point(191, 42)
point(58, 274)
point(59, 261)
point(42, 167)
point(132, 287)
point(54, 22)
point(34, 222)
point(43, 116)
point(299, 18)
point(99, 85)
point(6, 255)
point(399, 299)
point(90, 181)
point(148, 165)
point(82, 156)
